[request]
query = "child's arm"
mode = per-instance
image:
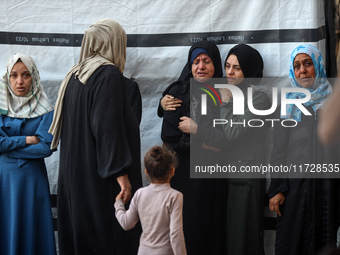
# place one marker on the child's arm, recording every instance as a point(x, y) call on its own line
point(127, 219)
point(176, 226)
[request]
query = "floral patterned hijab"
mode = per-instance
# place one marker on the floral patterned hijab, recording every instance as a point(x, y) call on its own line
point(321, 88)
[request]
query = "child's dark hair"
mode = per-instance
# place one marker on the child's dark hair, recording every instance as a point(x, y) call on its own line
point(159, 161)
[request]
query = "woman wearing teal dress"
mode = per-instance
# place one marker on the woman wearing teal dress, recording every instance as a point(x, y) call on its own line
point(26, 226)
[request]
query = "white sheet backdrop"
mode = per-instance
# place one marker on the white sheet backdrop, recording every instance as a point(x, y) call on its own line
point(153, 67)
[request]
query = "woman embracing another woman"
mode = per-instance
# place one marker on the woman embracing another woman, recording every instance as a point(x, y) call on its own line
point(184, 129)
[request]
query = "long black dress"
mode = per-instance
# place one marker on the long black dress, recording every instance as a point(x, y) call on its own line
point(245, 146)
point(204, 205)
point(99, 142)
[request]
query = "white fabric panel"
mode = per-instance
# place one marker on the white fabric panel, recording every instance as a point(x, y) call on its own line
point(154, 68)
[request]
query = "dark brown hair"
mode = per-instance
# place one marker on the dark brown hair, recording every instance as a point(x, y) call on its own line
point(159, 161)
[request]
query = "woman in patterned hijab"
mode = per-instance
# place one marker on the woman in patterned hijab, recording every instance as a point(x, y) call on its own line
point(307, 71)
point(25, 117)
point(306, 206)
point(34, 103)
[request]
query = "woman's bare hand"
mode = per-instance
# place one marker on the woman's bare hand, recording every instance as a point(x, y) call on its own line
point(226, 95)
point(187, 125)
point(275, 202)
point(125, 186)
point(170, 103)
point(30, 140)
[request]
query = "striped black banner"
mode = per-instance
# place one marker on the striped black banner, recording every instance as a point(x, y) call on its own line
point(178, 39)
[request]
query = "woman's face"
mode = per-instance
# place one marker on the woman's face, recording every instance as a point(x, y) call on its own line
point(233, 70)
point(20, 79)
point(202, 68)
point(304, 70)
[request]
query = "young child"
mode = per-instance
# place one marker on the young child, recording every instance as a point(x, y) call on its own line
point(157, 206)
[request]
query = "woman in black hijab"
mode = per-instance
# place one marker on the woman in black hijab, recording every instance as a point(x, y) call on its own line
point(185, 127)
point(245, 146)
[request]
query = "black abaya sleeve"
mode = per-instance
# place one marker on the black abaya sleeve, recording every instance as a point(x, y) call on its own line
point(170, 133)
point(134, 97)
point(160, 111)
point(108, 124)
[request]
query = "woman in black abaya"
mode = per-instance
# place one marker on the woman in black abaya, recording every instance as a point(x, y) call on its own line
point(100, 146)
point(245, 146)
point(185, 128)
point(307, 207)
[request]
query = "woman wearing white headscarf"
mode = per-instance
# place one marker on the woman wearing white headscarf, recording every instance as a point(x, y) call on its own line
point(306, 208)
point(100, 147)
point(26, 225)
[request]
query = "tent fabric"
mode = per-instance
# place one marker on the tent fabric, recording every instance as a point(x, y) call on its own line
point(159, 35)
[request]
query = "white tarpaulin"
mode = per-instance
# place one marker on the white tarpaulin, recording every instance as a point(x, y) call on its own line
point(160, 34)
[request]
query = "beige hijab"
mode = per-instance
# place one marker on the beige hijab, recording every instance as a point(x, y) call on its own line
point(104, 43)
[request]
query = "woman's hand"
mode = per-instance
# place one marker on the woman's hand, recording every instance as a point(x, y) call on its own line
point(30, 140)
point(226, 94)
point(125, 186)
point(209, 147)
point(169, 103)
point(187, 125)
point(275, 202)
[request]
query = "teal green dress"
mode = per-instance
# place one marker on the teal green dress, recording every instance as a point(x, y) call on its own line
point(26, 226)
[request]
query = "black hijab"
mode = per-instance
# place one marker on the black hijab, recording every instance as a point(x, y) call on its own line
point(181, 87)
point(171, 134)
point(249, 59)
